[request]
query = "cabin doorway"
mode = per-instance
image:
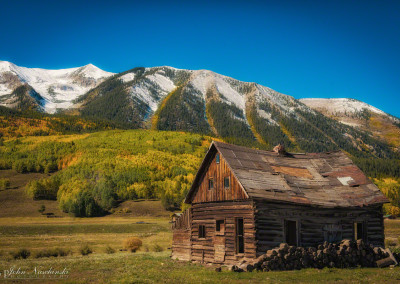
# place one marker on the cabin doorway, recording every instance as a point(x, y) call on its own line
point(239, 235)
point(359, 231)
point(291, 232)
point(219, 241)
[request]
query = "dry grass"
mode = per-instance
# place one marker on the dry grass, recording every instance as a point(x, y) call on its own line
point(37, 233)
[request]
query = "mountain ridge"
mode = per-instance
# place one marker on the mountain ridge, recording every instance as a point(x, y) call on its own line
point(58, 88)
point(202, 101)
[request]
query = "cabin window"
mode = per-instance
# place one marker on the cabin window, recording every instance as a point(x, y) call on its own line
point(220, 226)
point(210, 183)
point(291, 232)
point(217, 158)
point(227, 182)
point(239, 235)
point(360, 231)
point(202, 231)
point(333, 233)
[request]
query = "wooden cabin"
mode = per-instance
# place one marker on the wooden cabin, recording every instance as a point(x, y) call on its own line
point(246, 201)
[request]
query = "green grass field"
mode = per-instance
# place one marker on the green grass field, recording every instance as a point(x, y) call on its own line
point(146, 265)
point(159, 268)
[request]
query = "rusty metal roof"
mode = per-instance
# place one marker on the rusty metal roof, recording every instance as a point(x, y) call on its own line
point(328, 179)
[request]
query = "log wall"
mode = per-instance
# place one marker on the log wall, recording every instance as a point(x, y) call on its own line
point(264, 228)
point(221, 247)
point(314, 224)
point(181, 238)
point(218, 172)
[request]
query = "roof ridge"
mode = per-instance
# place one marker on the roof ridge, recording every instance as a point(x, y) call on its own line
point(272, 152)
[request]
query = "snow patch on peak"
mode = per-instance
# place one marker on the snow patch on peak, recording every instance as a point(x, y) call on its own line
point(91, 71)
point(163, 82)
point(202, 80)
point(58, 87)
point(267, 116)
point(5, 66)
point(228, 93)
point(341, 105)
point(151, 90)
point(127, 77)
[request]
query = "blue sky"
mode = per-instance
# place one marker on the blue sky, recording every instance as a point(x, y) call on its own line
point(300, 48)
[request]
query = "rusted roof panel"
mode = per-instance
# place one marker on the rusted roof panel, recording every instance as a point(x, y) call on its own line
point(322, 179)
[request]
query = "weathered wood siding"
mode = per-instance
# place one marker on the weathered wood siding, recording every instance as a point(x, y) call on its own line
point(218, 172)
point(181, 243)
point(313, 223)
point(203, 250)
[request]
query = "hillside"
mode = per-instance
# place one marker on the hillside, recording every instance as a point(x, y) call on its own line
point(360, 115)
point(93, 173)
point(15, 123)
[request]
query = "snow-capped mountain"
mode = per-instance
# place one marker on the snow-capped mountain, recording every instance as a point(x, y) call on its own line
point(201, 101)
point(150, 90)
point(56, 88)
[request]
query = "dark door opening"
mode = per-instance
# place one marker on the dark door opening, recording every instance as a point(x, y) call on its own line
point(291, 232)
point(359, 231)
point(239, 235)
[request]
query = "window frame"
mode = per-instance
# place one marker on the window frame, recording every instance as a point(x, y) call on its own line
point(202, 232)
point(229, 182)
point(218, 224)
point(210, 182)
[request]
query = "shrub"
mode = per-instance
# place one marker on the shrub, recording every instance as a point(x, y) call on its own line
point(4, 183)
point(157, 248)
point(50, 167)
point(396, 250)
point(43, 189)
point(5, 164)
point(76, 197)
point(19, 166)
point(132, 244)
point(126, 210)
point(42, 209)
point(21, 254)
point(63, 252)
point(52, 252)
point(109, 250)
point(85, 250)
